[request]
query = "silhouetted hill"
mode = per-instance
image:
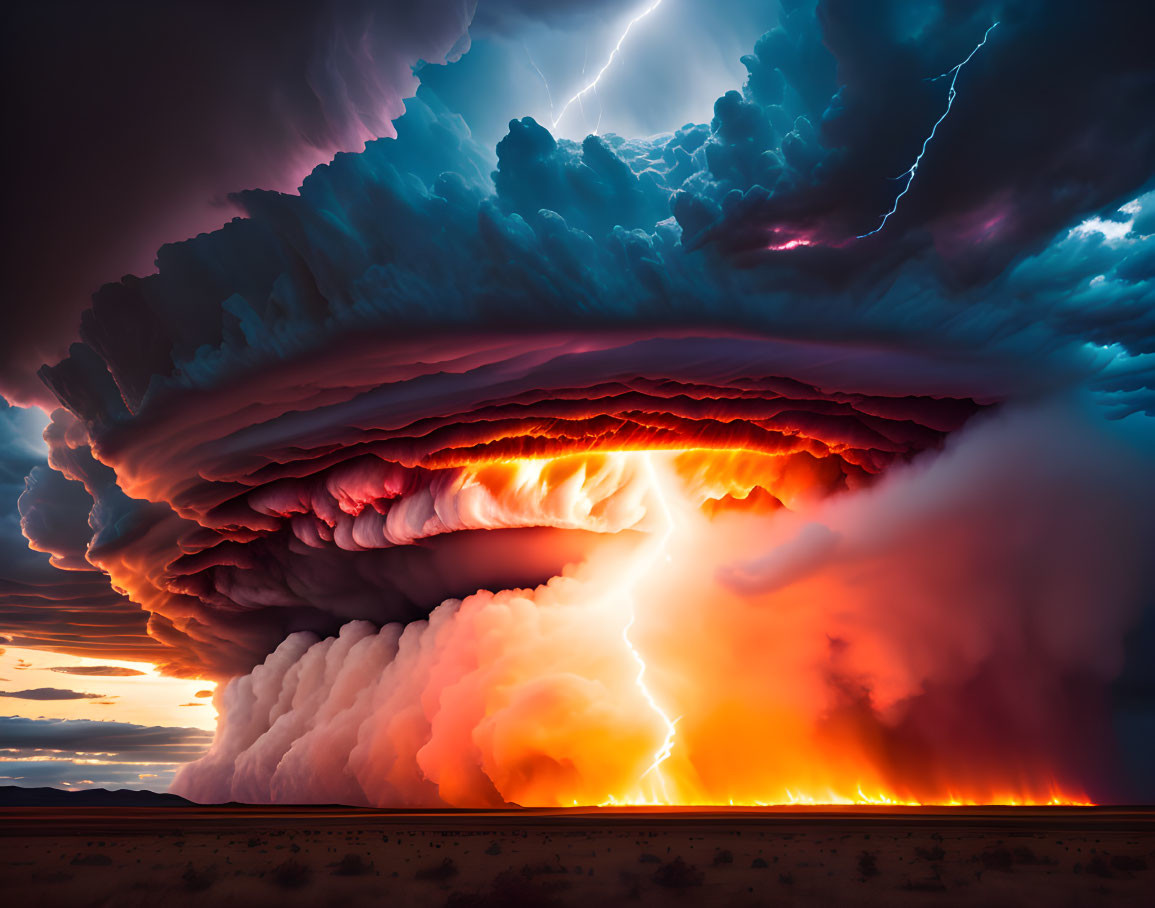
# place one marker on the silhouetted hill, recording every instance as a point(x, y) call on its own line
point(15, 796)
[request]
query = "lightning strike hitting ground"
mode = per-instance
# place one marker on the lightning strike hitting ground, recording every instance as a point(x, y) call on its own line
point(653, 552)
point(609, 62)
point(909, 174)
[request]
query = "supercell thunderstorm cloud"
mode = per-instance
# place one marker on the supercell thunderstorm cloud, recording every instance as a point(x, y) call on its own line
point(646, 469)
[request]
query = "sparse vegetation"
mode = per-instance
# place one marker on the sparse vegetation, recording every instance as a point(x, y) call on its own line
point(508, 890)
point(678, 875)
point(1126, 863)
point(1027, 857)
point(929, 884)
point(438, 873)
point(92, 860)
point(997, 859)
point(198, 880)
point(555, 863)
point(529, 871)
point(292, 874)
point(352, 865)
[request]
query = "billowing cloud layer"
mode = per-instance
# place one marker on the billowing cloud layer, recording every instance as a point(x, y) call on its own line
point(235, 95)
point(920, 632)
point(350, 438)
point(235, 523)
point(75, 610)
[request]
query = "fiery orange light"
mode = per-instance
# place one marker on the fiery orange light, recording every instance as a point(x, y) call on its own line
point(701, 695)
point(700, 481)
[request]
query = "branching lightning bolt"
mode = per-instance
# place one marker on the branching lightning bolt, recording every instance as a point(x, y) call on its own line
point(908, 175)
point(654, 550)
point(654, 4)
point(541, 75)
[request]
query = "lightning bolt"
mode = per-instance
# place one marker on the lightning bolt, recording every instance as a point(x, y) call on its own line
point(654, 551)
point(908, 174)
point(609, 62)
point(541, 75)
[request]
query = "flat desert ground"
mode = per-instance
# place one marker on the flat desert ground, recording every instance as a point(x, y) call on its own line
point(252, 856)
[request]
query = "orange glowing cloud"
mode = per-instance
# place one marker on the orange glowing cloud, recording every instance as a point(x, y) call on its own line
point(604, 570)
point(834, 650)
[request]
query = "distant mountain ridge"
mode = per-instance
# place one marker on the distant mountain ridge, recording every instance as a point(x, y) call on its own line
point(16, 796)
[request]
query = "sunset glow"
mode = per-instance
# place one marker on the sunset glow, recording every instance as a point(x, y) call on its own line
point(128, 691)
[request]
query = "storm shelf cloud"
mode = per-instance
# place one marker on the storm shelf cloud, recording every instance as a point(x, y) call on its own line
point(423, 460)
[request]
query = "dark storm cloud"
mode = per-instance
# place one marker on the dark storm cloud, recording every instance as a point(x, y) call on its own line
point(49, 693)
point(837, 101)
point(54, 516)
point(236, 96)
point(563, 243)
point(157, 111)
point(420, 235)
point(502, 16)
point(73, 610)
point(848, 101)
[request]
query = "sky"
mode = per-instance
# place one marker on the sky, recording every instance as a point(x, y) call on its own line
point(436, 402)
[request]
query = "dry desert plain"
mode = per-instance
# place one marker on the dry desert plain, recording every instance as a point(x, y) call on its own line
point(284, 856)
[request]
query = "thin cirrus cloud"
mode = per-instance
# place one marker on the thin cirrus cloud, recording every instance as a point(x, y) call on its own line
point(50, 693)
point(85, 752)
point(121, 740)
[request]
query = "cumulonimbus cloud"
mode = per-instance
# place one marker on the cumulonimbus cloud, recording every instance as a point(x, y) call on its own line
point(380, 452)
